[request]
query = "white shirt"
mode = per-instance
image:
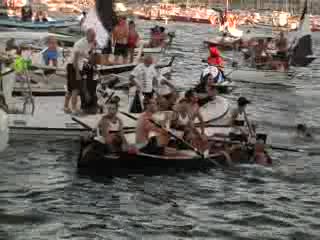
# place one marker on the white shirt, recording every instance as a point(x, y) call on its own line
point(144, 76)
point(83, 47)
point(163, 89)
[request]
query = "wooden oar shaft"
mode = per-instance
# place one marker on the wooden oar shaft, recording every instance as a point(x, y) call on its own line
point(169, 132)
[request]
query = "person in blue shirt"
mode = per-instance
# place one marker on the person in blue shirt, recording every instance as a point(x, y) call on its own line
point(51, 54)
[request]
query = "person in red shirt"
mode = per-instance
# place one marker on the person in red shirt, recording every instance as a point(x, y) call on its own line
point(215, 58)
point(133, 39)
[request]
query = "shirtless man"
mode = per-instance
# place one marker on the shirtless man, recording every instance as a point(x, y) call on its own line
point(150, 138)
point(120, 38)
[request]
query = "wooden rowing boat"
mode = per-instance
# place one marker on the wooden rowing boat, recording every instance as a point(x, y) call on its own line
point(92, 158)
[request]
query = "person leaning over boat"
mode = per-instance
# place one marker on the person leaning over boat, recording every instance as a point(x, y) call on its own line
point(110, 128)
point(80, 53)
point(194, 108)
point(210, 75)
point(120, 37)
point(145, 77)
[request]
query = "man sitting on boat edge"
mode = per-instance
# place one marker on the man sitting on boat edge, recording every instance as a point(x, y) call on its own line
point(111, 128)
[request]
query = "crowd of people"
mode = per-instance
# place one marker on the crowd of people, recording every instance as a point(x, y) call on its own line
point(27, 14)
point(257, 52)
point(161, 109)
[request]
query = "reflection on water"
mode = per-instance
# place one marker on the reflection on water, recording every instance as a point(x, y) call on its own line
point(43, 197)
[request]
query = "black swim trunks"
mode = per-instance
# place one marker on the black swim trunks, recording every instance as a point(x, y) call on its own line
point(121, 50)
point(282, 56)
point(108, 48)
point(72, 82)
point(153, 147)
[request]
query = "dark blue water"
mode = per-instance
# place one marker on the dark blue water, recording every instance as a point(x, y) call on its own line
point(43, 197)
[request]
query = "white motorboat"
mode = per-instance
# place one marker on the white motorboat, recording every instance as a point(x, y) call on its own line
point(50, 120)
point(267, 77)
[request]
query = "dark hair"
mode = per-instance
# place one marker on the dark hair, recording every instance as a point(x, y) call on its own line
point(115, 100)
point(131, 22)
point(146, 102)
point(301, 127)
point(162, 29)
point(183, 100)
point(189, 93)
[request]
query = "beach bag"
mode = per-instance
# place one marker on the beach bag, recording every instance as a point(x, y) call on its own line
point(136, 106)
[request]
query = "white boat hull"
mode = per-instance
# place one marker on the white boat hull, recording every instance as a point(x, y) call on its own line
point(4, 130)
point(49, 120)
point(266, 77)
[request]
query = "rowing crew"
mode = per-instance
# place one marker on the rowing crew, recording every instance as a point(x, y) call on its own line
point(155, 128)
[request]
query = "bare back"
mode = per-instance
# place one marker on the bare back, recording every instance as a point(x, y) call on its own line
point(121, 34)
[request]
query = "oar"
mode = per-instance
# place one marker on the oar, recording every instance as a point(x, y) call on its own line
point(6, 73)
point(280, 148)
point(297, 150)
point(169, 132)
point(86, 126)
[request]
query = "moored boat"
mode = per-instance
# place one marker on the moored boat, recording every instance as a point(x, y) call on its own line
point(267, 77)
point(15, 23)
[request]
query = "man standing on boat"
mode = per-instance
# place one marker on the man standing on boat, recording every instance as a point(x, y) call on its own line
point(80, 53)
point(145, 77)
point(120, 38)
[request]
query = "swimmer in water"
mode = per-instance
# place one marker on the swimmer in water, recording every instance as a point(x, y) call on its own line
point(303, 131)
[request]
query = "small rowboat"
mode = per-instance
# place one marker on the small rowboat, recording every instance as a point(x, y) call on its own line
point(93, 160)
point(266, 77)
point(225, 43)
point(14, 23)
